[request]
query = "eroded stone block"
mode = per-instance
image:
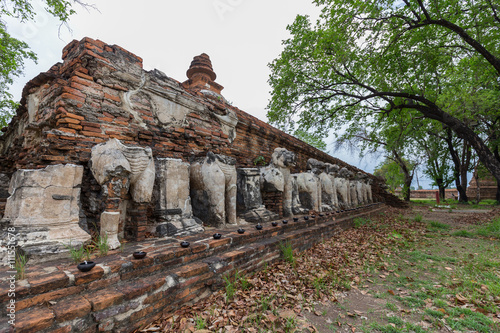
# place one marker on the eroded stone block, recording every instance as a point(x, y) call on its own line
point(172, 199)
point(249, 198)
point(213, 189)
point(44, 207)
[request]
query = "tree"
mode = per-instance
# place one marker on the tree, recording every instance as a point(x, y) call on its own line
point(380, 57)
point(391, 171)
point(14, 52)
point(310, 139)
point(437, 164)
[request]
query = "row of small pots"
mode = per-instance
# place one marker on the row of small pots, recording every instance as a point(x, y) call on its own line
point(88, 265)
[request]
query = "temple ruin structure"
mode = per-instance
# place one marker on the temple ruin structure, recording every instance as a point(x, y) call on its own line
point(100, 144)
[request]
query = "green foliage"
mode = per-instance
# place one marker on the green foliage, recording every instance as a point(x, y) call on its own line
point(490, 230)
point(287, 252)
point(418, 218)
point(20, 265)
point(102, 244)
point(14, 52)
point(313, 139)
point(391, 172)
point(259, 160)
point(200, 323)
point(361, 221)
point(77, 254)
point(438, 225)
point(229, 287)
point(463, 233)
point(370, 69)
point(232, 283)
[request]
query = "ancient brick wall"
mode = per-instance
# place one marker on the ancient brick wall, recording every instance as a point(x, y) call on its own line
point(101, 92)
point(122, 294)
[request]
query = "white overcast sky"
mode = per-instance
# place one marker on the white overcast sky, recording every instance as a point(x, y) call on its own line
point(240, 36)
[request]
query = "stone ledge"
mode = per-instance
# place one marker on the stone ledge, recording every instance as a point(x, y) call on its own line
point(125, 293)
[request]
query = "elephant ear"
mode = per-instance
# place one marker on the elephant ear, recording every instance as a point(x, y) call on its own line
point(108, 161)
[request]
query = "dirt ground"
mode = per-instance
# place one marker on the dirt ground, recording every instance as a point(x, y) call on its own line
point(356, 309)
point(400, 271)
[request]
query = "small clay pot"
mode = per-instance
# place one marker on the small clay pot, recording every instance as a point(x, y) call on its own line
point(217, 236)
point(313, 216)
point(285, 221)
point(139, 254)
point(241, 231)
point(274, 224)
point(295, 219)
point(306, 218)
point(185, 244)
point(258, 227)
point(321, 215)
point(86, 266)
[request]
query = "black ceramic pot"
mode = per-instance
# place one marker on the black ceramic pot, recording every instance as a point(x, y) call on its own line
point(241, 231)
point(285, 221)
point(185, 244)
point(295, 219)
point(306, 218)
point(258, 227)
point(313, 216)
point(217, 236)
point(139, 254)
point(321, 215)
point(86, 266)
point(274, 224)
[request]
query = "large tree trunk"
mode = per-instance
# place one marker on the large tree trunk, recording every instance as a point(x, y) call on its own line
point(457, 167)
point(498, 192)
point(466, 157)
point(407, 173)
point(441, 187)
point(407, 187)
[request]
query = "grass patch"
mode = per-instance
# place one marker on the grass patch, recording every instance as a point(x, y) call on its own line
point(360, 222)
point(438, 225)
point(418, 218)
point(20, 265)
point(77, 254)
point(490, 230)
point(101, 244)
point(463, 233)
point(287, 253)
point(200, 323)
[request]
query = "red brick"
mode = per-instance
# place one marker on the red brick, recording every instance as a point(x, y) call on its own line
point(67, 130)
point(84, 277)
point(134, 289)
point(73, 91)
point(99, 135)
point(66, 120)
point(73, 97)
point(46, 297)
point(92, 129)
point(65, 329)
point(71, 308)
point(85, 76)
point(103, 299)
point(103, 283)
point(112, 97)
point(34, 320)
point(192, 269)
point(75, 127)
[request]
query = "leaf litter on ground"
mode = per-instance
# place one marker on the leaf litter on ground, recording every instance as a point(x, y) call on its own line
point(278, 295)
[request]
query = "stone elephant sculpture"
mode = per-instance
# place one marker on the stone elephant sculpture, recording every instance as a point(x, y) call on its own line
point(213, 189)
